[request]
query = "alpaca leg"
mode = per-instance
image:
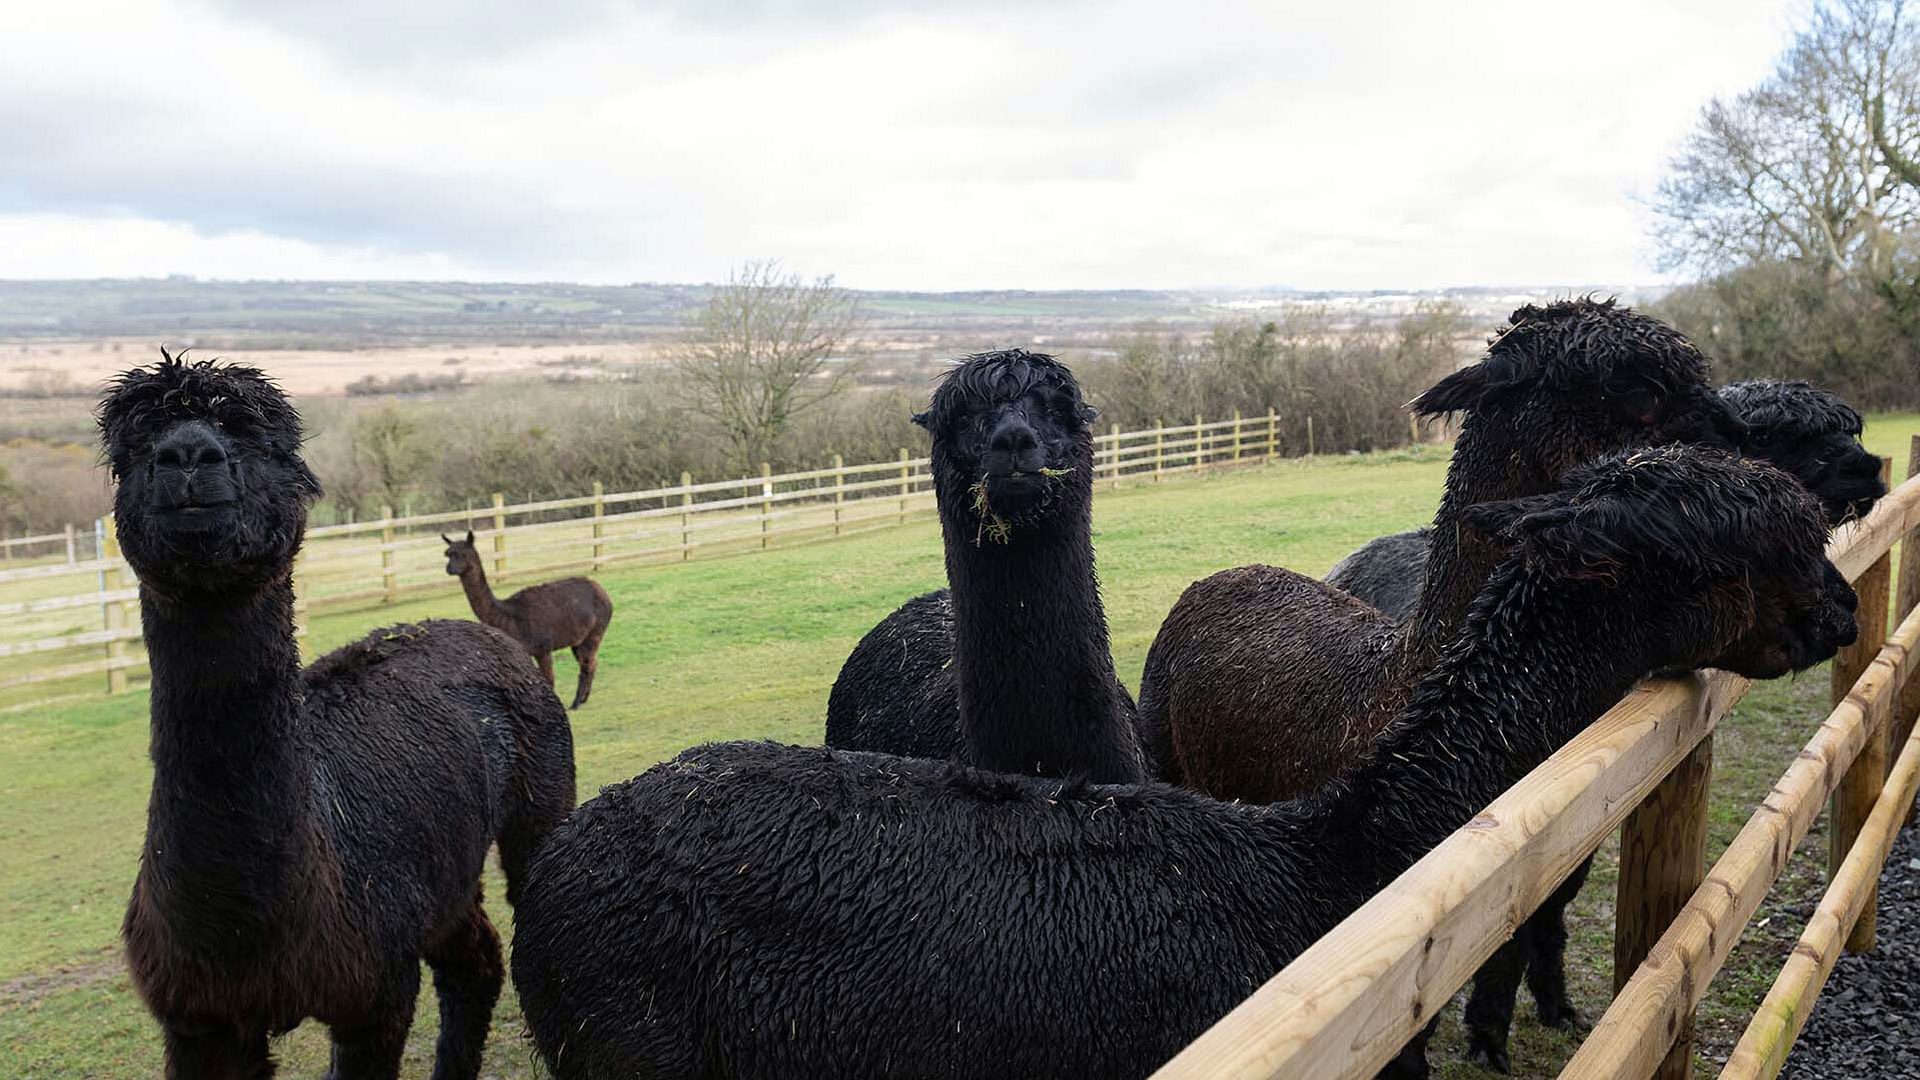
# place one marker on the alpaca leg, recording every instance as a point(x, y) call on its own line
point(528, 821)
point(1411, 1062)
point(587, 655)
point(467, 975)
point(371, 1050)
point(1490, 1007)
point(545, 661)
point(1547, 956)
point(216, 1054)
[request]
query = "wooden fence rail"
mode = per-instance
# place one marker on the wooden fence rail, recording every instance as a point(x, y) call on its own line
point(391, 558)
point(1347, 1004)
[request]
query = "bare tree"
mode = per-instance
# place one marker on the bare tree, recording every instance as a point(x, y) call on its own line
point(767, 347)
point(1797, 169)
point(390, 453)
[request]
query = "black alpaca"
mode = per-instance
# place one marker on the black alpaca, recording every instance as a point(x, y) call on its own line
point(568, 613)
point(1263, 684)
point(755, 910)
point(1808, 432)
point(1014, 655)
point(311, 838)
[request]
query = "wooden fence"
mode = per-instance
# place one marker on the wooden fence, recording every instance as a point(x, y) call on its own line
point(54, 627)
point(1348, 1003)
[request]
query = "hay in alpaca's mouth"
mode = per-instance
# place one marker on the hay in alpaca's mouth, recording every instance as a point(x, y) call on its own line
point(992, 525)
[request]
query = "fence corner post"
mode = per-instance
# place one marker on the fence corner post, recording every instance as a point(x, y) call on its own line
point(1199, 442)
point(113, 613)
point(1663, 859)
point(1236, 434)
point(599, 524)
point(1273, 433)
point(1310, 449)
point(499, 537)
point(1859, 789)
point(686, 516)
point(839, 489)
point(389, 582)
point(1908, 598)
point(906, 483)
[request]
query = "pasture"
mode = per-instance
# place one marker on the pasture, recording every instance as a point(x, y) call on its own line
point(747, 648)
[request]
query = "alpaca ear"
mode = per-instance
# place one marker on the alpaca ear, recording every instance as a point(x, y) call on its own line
point(444, 540)
point(305, 478)
point(1458, 392)
point(924, 419)
point(1088, 414)
point(469, 536)
point(1506, 520)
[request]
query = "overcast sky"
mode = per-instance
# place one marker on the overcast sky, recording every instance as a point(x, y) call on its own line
point(904, 145)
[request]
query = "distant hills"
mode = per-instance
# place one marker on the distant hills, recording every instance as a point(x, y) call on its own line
point(346, 314)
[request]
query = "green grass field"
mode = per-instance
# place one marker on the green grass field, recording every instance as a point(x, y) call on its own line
point(747, 648)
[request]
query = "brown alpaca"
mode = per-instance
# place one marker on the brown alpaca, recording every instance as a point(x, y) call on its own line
point(569, 613)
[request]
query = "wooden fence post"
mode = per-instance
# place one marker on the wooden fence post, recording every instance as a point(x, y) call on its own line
point(1236, 434)
point(1273, 433)
point(906, 484)
point(766, 505)
point(686, 516)
point(1113, 465)
point(1860, 788)
point(73, 552)
point(1309, 434)
point(1199, 442)
point(599, 524)
point(113, 614)
point(499, 537)
point(389, 585)
point(1159, 449)
point(1663, 859)
point(1908, 707)
point(1413, 430)
point(839, 489)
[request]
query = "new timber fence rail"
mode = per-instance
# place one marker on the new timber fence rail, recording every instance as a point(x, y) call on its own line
point(1347, 1004)
point(69, 606)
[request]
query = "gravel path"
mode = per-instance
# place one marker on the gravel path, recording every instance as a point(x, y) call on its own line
point(1866, 1024)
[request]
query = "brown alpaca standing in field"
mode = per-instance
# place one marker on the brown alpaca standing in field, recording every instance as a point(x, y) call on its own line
point(569, 613)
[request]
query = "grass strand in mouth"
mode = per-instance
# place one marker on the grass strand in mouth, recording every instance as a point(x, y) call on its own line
point(992, 526)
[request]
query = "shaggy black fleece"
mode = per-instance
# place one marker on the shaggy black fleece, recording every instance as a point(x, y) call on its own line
point(1010, 667)
point(312, 837)
point(756, 910)
point(1790, 424)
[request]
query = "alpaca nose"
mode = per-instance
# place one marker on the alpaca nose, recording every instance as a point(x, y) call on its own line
point(188, 447)
point(1013, 447)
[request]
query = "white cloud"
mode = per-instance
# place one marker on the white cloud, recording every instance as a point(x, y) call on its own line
point(919, 146)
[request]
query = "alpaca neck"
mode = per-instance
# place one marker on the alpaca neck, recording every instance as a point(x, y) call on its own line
point(1484, 468)
point(486, 608)
point(1031, 661)
point(228, 827)
point(1523, 678)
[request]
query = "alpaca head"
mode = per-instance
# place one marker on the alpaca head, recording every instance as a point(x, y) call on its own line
point(212, 493)
point(1720, 558)
point(1012, 442)
point(462, 556)
point(1813, 435)
point(1576, 379)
